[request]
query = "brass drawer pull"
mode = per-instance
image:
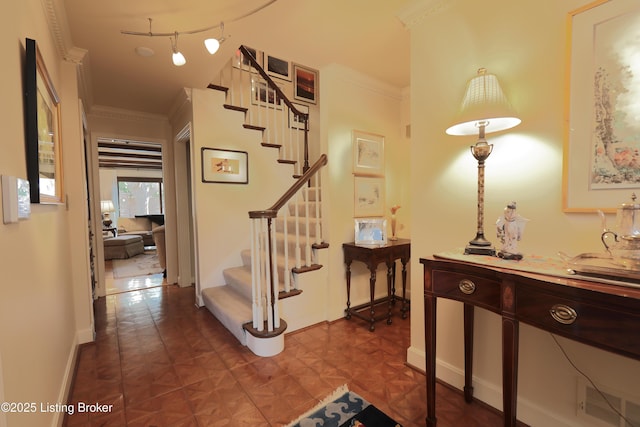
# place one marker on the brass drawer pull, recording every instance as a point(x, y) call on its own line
point(563, 314)
point(466, 286)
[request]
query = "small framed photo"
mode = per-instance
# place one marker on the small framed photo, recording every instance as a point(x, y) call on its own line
point(305, 84)
point(279, 68)
point(371, 231)
point(368, 153)
point(244, 63)
point(296, 122)
point(263, 95)
point(368, 195)
point(224, 166)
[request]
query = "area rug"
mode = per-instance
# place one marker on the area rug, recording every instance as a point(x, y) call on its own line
point(139, 265)
point(344, 408)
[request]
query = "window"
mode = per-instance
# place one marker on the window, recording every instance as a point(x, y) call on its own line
point(140, 196)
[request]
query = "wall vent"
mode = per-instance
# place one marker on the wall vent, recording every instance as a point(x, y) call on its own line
point(593, 408)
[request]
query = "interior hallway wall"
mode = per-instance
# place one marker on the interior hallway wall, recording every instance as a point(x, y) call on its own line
point(524, 45)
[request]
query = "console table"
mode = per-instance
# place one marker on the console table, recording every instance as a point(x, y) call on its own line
point(372, 256)
point(589, 311)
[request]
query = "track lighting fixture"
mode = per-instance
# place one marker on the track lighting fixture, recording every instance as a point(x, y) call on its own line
point(212, 44)
point(177, 57)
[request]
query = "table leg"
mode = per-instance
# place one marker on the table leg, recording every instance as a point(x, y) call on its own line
point(510, 333)
point(430, 356)
point(404, 288)
point(348, 263)
point(468, 352)
point(372, 290)
point(390, 288)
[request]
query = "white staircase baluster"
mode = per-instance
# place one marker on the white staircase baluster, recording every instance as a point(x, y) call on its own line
point(287, 267)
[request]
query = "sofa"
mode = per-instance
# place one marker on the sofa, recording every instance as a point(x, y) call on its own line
point(138, 226)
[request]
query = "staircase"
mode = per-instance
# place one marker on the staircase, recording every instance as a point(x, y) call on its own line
point(286, 237)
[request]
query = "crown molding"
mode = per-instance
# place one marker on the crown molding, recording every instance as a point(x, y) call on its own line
point(104, 112)
point(417, 11)
point(364, 81)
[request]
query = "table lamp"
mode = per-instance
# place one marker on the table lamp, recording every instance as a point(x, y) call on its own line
point(106, 207)
point(485, 109)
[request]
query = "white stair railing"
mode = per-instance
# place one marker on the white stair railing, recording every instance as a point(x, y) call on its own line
point(266, 260)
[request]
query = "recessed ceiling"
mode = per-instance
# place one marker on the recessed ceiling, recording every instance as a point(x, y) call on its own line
point(129, 154)
point(364, 35)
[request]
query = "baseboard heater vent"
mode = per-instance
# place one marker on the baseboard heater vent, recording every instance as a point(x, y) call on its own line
point(593, 408)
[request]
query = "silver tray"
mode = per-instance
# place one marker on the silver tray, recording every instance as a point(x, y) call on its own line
point(603, 265)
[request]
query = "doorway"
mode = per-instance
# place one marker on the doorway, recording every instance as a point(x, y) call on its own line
point(131, 194)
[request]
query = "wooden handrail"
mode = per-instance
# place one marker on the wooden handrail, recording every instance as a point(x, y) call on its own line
point(272, 212)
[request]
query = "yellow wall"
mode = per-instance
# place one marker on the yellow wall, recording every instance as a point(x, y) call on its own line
point(523, 43)
point(352, 101)
point(45, 305)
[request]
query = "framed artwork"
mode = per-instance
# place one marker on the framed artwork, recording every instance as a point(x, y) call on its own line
point(305, 84)
point(263, 95)
point(368, 196)
point(371, 231)
point(368, 153)
point(225, 166)
point(294, 121)
point(244, 63)
point(279, 68)
point(43, 136)
point(601, 165)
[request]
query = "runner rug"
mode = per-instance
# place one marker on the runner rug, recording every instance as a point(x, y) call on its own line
point(344, 408)
point(139, 265)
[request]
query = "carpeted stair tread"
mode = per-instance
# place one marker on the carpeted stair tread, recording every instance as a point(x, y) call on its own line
point(230, 308)
point(239, 278)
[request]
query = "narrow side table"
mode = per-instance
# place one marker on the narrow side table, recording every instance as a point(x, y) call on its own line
point(372, 256)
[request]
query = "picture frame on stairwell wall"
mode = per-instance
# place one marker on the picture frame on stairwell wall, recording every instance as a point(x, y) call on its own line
point(244, 63)
point(305, 84)
point(278, 68)
point(225, 166)
point(294, 121)
point(264, 96)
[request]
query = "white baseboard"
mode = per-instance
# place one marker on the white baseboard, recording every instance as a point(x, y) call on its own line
point(85, 335)
point(489, 393)
point(67, 379)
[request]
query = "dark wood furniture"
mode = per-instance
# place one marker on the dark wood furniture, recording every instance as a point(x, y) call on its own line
point(592, 312)
point(372, 256)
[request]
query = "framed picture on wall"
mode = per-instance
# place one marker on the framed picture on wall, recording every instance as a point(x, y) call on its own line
point(305, 84)
point(241, 61)
point(601, 147)
point(368, 196)
point(368, 153)
point(279, 68)
point(225, 166)
point(43, 136)
point(294, 121)
point(263, 95)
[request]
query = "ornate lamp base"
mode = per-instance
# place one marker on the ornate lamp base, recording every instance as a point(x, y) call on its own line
point(479, 250)
point(480, 246)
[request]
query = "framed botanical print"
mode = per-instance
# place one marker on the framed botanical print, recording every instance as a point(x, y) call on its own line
point(602, 148)
point(368, 153)
point(368, 196)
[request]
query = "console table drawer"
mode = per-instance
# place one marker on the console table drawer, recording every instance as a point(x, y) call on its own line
point(477, 290)
point(585, 321)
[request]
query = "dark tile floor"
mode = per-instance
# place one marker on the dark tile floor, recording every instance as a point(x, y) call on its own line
point(161, 361)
